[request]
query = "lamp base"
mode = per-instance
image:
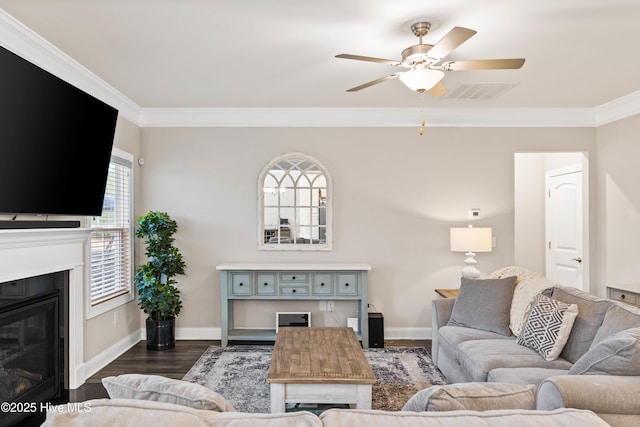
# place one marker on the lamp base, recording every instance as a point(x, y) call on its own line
point(470, 271)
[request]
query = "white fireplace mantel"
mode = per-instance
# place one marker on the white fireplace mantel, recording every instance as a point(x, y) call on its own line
point(32, 252)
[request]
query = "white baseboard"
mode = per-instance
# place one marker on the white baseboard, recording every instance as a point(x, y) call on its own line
point(98, 362)
point(198, 334)
point(191, 333)
point(407, 333)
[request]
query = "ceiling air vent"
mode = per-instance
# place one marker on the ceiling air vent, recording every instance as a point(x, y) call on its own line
point(479, 90)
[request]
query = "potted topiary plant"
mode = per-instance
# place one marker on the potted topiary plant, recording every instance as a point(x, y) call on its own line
point(158, 296)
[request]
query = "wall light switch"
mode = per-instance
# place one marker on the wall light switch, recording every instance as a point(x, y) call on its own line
point(352, 322)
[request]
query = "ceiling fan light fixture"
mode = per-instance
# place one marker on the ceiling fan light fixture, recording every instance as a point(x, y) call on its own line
point(420, 79)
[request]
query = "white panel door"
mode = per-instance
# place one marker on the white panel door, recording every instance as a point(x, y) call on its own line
point(564, 226)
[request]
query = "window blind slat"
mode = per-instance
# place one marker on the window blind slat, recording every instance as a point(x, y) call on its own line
point(111, 237)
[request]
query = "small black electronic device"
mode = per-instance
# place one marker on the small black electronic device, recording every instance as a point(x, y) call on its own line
point(289, 318)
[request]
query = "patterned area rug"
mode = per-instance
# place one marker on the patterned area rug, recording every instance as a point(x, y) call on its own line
point(239, 373)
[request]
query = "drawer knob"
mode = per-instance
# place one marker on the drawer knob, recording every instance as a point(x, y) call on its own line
point(294, 291)
point(293, 277)
point(241, 284)
point(346, 285)
point(322, 284)
point(623, 296)
point(266, 284)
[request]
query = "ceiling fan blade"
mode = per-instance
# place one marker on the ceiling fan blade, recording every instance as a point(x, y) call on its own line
point(437, 90)
point(373, 82)
point(368, 58)
point(484, 64)
point(450, 41)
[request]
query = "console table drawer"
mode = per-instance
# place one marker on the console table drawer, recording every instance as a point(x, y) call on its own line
point(294, 277)
point(265, 284)
point(322, 284)
point(241, 284)
point(624, 296)
point(347, 284)
point(294, 290)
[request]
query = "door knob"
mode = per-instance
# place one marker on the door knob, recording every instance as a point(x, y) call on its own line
point(576, 259)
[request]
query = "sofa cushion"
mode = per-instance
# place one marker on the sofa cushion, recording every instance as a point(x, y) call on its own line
point(548, 326)
point(144, 413)
point(167, 390)
point(616, 319)
point(454, 335)
point(484, 304)
point(500, 418)
point(523, 375)
point(472, 396)
point(591, 312)
point(618, 354)
point(479, 357)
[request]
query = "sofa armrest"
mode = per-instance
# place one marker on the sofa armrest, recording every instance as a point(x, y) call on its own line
point(603, 394)
point(440, 313)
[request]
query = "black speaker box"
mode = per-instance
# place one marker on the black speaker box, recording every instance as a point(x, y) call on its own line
point(376, 330)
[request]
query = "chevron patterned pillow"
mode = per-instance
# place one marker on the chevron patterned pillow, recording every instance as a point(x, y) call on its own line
point(548, 326)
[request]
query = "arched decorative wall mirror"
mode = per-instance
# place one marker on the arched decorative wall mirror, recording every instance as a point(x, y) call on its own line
point(294, 206)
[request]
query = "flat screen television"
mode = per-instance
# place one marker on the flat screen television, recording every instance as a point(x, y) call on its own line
point(55, 142)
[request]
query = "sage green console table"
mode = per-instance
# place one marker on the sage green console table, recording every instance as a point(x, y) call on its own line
point(290, 282)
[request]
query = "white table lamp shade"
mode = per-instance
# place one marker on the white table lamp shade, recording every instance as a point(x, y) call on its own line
point(471, 240)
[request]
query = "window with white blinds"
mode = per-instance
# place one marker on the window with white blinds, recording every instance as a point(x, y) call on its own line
point(111, 236)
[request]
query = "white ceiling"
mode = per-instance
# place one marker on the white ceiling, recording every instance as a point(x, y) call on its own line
point(281, 53)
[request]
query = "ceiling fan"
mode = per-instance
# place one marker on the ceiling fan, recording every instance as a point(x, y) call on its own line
point(424, 61)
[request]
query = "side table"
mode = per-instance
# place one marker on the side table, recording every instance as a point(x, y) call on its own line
point(448, 293)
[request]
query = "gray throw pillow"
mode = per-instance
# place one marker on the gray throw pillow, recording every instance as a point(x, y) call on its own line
point(484, 304)
point(618, 354)
point(167, 390)
point(473, 397)
point(617, 319)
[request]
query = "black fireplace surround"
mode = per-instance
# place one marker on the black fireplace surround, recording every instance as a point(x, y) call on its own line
point(32, 345)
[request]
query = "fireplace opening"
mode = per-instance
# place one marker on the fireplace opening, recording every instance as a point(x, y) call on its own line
point(32, 331)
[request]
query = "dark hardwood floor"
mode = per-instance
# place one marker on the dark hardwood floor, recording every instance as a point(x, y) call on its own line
point(173, 363)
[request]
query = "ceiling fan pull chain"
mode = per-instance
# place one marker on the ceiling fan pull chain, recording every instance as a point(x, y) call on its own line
point(421, 104)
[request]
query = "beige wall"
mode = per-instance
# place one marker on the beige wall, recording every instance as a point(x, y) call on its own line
point(396, 195)
point(101, 332)
point(619, 202)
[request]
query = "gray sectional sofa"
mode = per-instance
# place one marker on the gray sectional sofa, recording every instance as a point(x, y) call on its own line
point(152, 400)
point(598, 367)
point(136, 413)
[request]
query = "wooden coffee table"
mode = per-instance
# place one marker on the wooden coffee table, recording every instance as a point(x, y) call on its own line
point(319, 365)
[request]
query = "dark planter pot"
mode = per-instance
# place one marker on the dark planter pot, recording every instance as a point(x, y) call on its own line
point(161, 335)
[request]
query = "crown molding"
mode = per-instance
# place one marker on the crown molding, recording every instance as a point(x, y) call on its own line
point(618, 109)
point(366, 117)
point(21, 40)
